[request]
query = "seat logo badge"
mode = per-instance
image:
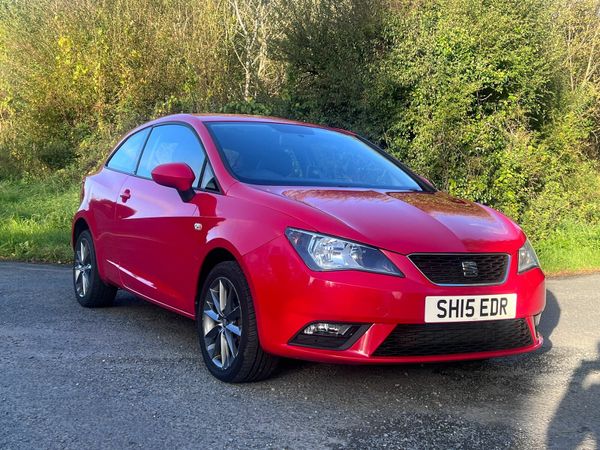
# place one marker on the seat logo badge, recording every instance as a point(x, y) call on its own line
point(197, 226)
point(470, 269)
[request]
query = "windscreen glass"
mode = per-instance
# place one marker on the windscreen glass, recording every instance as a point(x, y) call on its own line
point(282, 154)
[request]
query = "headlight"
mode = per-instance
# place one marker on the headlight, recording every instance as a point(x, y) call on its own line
point(321, 252)
point(527, 257)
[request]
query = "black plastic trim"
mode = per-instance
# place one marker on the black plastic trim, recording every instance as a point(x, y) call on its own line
point(356, 335)
point(453, 338)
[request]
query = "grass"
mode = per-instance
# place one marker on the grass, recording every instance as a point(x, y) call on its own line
point(35, 220)
point(573, 248)
point(35, 225)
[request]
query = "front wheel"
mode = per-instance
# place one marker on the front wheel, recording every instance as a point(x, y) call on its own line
point(226, 324)
point(90, 290)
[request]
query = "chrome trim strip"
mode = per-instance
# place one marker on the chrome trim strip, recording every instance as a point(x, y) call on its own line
point(460, 254)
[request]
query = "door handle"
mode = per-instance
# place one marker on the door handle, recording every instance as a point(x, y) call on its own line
point(126, 195)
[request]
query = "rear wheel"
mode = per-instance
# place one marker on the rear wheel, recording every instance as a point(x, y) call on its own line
point(227, 331)
point(90, 290)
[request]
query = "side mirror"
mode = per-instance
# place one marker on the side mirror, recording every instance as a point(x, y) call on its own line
point(426, 181)
point(176, 175)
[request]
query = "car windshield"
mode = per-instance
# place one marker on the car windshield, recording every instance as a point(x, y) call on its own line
point(285, 154)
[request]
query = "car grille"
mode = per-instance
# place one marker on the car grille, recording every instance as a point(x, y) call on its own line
point(462, 268)
point(453, 338)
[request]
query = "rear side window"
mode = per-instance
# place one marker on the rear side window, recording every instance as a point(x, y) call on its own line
point(168, 144)
point(126, 156)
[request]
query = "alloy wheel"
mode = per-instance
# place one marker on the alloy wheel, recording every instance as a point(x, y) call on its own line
point(222, 323)
point(82, 269)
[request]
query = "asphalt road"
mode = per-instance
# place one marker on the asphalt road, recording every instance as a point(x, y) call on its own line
point(132, 376)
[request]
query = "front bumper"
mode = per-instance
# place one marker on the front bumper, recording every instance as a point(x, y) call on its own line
point(289, 296)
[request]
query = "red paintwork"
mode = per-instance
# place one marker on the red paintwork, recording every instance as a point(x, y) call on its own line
point(146, 243)
point(176, 175)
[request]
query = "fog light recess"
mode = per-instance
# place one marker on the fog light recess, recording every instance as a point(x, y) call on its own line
point(329, 335)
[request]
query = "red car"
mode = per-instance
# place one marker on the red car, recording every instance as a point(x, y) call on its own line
point(285, 239)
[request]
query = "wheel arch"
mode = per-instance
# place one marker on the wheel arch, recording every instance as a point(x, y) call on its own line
point(79, 226)
point(82, 223)
point(216, 255)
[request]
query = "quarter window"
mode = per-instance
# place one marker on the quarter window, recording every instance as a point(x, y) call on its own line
point(126, 156)
point(168, 144)
point(209, 181)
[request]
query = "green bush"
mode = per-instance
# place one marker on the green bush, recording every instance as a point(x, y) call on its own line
point(473, 94)
point(75, 75)
point(326, 48)
point(493, 100)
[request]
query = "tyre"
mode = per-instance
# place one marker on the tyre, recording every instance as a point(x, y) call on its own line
point(226, 324)
point(90, 290)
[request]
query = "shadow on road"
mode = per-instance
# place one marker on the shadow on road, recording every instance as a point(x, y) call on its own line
point(549, 320)
point(568, 430)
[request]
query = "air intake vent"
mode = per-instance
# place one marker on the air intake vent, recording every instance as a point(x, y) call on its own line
point(454, 338)
point(462, 268)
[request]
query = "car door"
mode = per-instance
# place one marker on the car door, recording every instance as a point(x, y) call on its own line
point(103, 204)
point(158, 233)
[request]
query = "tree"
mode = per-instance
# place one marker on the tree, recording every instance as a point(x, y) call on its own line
point(250, 39)
point(327, 47)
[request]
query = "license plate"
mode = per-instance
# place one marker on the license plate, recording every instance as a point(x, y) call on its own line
point(470, 308)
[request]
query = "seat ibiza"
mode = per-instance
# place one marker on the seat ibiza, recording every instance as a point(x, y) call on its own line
point(285, 239)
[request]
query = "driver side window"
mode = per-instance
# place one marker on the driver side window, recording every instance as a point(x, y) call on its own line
point(125, 157)
point(168, 144)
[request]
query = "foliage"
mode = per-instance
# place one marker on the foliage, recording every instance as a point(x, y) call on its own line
point(77, 74)
point(494, 100)
point(473, 94)
point(572, 247)
point(35, 219)
point(35, 225)
point(327, 48)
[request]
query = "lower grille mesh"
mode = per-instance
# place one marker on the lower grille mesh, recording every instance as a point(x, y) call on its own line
point(453, 338)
